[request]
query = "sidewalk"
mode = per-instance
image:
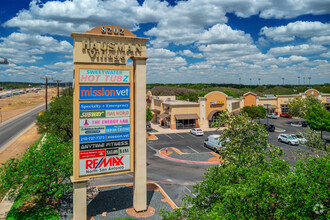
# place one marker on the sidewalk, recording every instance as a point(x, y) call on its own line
point(157, 129)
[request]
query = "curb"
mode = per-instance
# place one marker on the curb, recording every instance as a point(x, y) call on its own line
point(186, 161)
point(161, 190)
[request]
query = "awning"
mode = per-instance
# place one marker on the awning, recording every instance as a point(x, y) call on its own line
point(186, 116)
point(164, 115)
point(272, 107)
point(211, 114)
point(155, 111)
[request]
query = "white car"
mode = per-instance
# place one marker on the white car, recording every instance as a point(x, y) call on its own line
point(273, 116)
point(301, 139)
point(286, 138)
point(197, 131)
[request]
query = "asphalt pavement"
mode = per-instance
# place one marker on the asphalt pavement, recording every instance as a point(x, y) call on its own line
point(11, 128)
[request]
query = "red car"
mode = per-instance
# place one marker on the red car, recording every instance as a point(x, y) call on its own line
point(286, 115)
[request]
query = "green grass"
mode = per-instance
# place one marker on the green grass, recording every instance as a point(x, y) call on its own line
point(39, 212)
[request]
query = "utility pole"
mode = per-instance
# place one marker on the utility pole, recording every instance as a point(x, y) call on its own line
point(58, 90)
point(239, 82)
point(46, 78)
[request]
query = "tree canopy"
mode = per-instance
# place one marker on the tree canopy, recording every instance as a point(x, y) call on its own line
point(254, 183)
point(318, 118)
point(58, 119)
point(254, 112)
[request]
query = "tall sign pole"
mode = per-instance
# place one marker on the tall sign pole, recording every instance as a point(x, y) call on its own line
point(109, 111)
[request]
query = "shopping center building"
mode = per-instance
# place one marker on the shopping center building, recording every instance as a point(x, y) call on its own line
point(178, 114)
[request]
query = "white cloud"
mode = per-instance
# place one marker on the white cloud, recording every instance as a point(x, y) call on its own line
point(189, 53)
point(323, 40)
point(302, 49)
point(302, 29)
point(326, 55)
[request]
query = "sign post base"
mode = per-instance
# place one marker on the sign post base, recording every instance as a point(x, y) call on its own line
point(79, 199)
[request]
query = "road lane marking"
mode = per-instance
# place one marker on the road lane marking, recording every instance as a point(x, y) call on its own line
point(193, 149)
point(169, 137)
point(179, 135)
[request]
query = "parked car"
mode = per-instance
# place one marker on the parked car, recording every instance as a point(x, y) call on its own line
point(197, 131)
point(270, 127)
point(213, 142)
point(304, 124)
point(273, 116)
point(288, 139)
point(148, 126)
point(301, 139)
point(286, 115)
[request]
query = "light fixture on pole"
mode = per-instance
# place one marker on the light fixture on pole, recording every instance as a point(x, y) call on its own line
point(283, 80)
point(309, 79)
point(298, 80)
point(250, 81)
point(259, 81)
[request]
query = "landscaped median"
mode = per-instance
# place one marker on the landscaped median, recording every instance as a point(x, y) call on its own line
point(198, 158)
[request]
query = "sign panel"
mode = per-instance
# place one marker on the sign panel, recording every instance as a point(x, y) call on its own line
point(92, 130)
point(117, 151)
point(103, 121)
point(92, 114)
point(104, 164)
point(117, 113)
point(117, 128)
point(104, 106)
point(104, 76)
point(217, 103)
point(104, 92)
point(91, 154)
point(103, 145)
point(103, 137)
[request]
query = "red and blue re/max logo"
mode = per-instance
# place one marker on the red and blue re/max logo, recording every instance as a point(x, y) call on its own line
point(104, 162)
point(104, 92)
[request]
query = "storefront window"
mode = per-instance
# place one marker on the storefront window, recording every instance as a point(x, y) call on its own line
point(185, 124)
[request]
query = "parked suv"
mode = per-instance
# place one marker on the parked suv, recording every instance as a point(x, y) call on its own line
point(288, 139)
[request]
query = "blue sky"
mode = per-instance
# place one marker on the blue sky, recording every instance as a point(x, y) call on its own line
point(192, 41)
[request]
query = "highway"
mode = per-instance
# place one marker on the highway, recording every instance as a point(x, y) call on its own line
point(11, 128)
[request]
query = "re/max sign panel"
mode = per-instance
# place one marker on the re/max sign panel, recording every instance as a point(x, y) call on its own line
point(104, 92)
point(104, 165)
point(103, 76)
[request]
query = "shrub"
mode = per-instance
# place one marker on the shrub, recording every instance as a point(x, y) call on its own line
point(42, 174)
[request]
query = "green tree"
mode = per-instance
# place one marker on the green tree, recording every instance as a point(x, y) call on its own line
point(254, 112)
point(42, 175)
point(253, 183)
point(318, 118)
point(58, 119)
point(149, 115)
point(314, 139)
point(297, 107)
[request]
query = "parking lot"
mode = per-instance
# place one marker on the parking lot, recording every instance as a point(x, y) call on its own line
point(188, 143)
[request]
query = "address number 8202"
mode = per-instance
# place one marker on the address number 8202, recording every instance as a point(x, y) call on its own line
point(109, 30)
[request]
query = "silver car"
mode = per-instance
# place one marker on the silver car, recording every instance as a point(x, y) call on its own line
point(288, 139)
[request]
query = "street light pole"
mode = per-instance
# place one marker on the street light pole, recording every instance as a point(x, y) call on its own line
point(46, 78)
point(267, 121)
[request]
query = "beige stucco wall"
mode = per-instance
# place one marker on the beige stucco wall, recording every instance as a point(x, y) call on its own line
point(180, 109)
point(212, 97)
point(250, 99)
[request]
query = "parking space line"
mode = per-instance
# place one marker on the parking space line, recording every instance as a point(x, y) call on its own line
point(193, 149)
point(189, 191)
point(179, 135)
point(191, 135)
point(168, 137)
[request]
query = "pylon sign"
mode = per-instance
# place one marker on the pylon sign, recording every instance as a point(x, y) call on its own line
point(104, 119)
